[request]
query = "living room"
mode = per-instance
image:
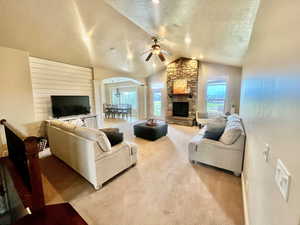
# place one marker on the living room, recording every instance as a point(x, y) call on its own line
point(185, 112)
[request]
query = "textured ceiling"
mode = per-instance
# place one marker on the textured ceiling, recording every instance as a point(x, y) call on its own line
point(113, 36)
point(212, 30)
point(87, 33)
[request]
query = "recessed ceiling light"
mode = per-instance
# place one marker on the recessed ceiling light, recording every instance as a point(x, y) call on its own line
point(129, 56)
point(86, 38)
point(187, 39)
point(155, 1)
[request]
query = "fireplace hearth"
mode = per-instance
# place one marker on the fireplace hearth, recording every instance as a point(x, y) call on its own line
point(181, 109)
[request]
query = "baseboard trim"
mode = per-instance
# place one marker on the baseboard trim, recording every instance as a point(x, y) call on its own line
point(245, 202)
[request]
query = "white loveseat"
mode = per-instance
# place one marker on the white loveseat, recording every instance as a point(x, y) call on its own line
point(89, 152)
point(226, 155)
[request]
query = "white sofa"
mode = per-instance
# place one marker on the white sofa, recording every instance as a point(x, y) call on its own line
point(221, 153)
point(89, 152)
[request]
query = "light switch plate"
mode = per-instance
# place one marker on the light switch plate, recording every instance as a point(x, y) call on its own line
point(266, 152)
point(283, 179)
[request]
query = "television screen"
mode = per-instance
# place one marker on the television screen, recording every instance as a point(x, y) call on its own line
point(70, 105)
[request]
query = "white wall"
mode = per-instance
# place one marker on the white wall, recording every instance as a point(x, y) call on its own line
point(16, 101)
point(270, 106)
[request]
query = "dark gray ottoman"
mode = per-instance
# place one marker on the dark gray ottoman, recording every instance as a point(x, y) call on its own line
point(151, 133)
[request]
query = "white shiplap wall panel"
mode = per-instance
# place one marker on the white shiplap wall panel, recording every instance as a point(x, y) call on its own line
point(54, 78)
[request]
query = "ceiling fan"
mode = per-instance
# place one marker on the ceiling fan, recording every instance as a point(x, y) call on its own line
point(156, 50)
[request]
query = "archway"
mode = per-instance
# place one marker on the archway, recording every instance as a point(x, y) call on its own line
point(119, 91)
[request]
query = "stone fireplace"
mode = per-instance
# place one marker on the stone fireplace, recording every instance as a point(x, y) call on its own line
point(181, 108)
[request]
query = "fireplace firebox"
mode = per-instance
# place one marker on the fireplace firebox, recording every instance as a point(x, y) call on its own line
point(181, 109)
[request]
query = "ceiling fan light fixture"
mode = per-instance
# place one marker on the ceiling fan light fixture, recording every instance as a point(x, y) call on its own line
point(156, 51)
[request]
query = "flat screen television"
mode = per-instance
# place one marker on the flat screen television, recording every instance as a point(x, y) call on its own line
point(70, 105)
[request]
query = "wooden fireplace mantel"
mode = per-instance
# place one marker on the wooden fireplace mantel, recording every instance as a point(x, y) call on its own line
point(189, 95)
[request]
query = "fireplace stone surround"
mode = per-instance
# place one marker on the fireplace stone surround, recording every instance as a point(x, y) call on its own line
point(182, 68)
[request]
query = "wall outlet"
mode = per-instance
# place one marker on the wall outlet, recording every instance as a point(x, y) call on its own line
point(266, 152)
point(283, 179)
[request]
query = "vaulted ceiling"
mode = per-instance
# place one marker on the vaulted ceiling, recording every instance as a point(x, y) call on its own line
point(113, 33)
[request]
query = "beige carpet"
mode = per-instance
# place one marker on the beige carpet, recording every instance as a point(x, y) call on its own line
point(162, 189)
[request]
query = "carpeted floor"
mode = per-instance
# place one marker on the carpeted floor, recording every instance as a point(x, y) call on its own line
point(162, 189)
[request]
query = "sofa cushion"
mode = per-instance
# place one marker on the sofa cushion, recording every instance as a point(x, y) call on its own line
point(94, 135)
point(233, 131)
point(214, 130)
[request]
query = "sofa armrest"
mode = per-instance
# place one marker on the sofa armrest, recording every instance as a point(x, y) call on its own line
point(194, 142)
point(133, 147)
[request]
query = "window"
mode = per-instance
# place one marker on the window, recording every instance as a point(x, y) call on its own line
point(156, 96)
point(215, 97)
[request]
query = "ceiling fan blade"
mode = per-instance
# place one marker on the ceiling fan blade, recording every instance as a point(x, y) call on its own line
point(149, 56)
point(149, 50)
point(166, 52)
point(161, 57)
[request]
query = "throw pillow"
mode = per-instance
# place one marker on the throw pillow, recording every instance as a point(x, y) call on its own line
point(232, 132)
point(113, 135)
point(214, 130)
point(234, 117)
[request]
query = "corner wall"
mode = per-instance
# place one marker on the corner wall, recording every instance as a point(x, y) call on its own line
point(16, 98)
point(270, 106)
